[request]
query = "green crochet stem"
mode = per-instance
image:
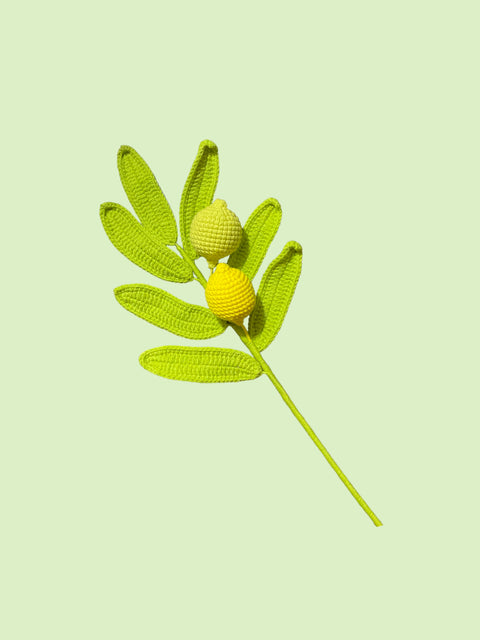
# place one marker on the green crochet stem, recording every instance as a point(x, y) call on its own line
point(248, 342)
point(246, 339)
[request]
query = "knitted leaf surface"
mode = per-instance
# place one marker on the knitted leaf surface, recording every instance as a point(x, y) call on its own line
point(131, 239)
point(199, 190)
point(168, 312)
point(275, 294)
point(258, 233)
point(145, 195)
point(200, 364)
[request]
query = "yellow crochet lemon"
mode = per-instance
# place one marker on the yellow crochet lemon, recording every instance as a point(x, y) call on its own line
point(215, 232)
point(230, 294)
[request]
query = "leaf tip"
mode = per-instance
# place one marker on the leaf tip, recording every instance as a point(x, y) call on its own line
point(118, 291)
point(295, 246)
point(142, 358)
point(124, 150)
point(273, 202)
point(106, 208)
point(122, 156)
point(208, 144)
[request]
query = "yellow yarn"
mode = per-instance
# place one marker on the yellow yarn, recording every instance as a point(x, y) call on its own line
point(215, 232)
point(230, 294)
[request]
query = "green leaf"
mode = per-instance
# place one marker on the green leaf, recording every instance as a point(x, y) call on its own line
point(198, 191)
point(258, 233)
point(146, 197)
point(131, 239)
point(274, 295)
point(200, 364)
point(168, 312)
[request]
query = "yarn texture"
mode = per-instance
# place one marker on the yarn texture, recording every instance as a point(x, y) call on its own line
point(215, 232)
point(146, 197)
point(136, 243)
point(230, 294)
point(275, 292)
point(196, 364)
point(168, 312)
point(198, 191)
point(258, 233)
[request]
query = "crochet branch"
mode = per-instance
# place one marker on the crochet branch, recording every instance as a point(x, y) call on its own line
point(208, 231)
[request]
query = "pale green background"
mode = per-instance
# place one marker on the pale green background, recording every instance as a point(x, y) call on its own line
point(136, 507)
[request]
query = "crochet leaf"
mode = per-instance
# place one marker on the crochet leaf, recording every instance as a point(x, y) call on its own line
point(168, 312)
point(146, 197)
point(200, 364)
point(258, 233)
point(131, 239)
point(275, 294)
point(198, 191)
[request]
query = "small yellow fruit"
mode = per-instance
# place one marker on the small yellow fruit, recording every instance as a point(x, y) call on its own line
point(230, 294)
point(215, 232)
